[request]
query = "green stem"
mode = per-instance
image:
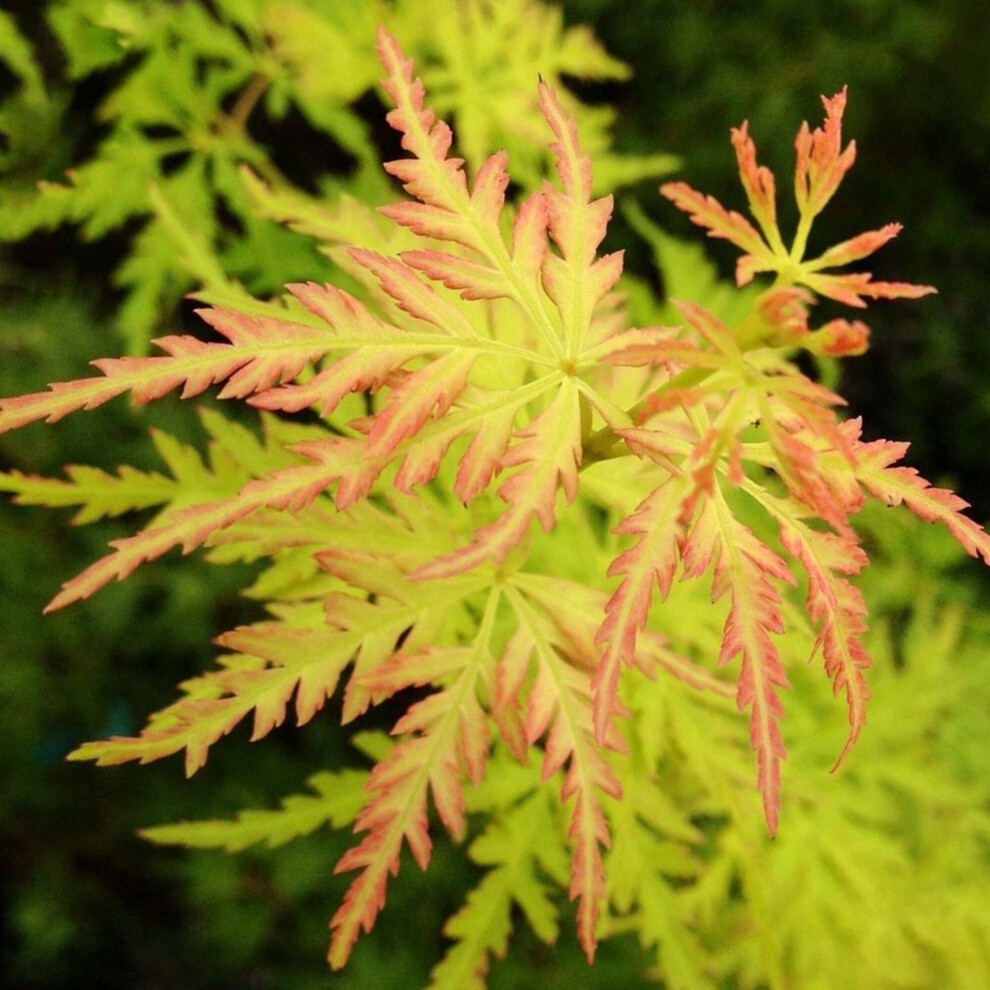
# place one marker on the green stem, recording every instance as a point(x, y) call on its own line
point(605, 444)
point(800, 244)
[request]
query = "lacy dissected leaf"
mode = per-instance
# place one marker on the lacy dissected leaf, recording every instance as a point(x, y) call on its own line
point(838, 606)
point(446, 740)
point(479, 60)
point(475, 359)
point(285, 661)
point(647, 870)
point(300, 655)
point(259, 353)
point(558, 294)
point(175, 121)
point(821, 164)
point(98, 493)
point(291, 488)
point(692, 529)
point(338, 797)
point(748, 572)
point(559, 705)
point(234, 455)
point(653, 560)
point(548, 453)
point(895, 485)
point(513, 848)
point(395, 611)
point(422, 359)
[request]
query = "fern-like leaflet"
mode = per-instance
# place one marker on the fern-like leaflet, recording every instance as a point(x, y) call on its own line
point(462, 393)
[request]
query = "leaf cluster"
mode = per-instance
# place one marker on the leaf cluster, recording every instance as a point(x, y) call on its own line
point(196, 93)
point(563, 542)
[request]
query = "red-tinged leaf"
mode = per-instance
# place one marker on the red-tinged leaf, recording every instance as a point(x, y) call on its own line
point(488, 189)
point(484, 454)
point(471, 751)
point(449, 212)
point(548, 455)
point(433, 222)
point(396, 811)
point(412, 294)
point(707, 212)
point(378, 349)
point(511, 674)
point(837, 475)
point(719, 447)
point(798, 462)
point(839, 608)
point(472, 279)
point(448, 724)
point(841, 338)
point(577, 228)
point(560, 704)
point(404, 670)
point(337, 308)
point(758, 181)
point(378, 629)
point(895, 485)
point(653, 559)
point(491, 545)
point(399, 612)
point(588, 832)
point(289, 489)
point(897, 290)
point(576, 282)
point(573, 165)
point(642, 346)
point(431, 175)
point(366, 369)
point(577, 293)
point(821, 164)
point(412, 402)
point(470, 221)
point(489, 415)
point(278, 663)
point(748, 266)
point(192, 725)
point(432, 178)
point(855, 248)
point(529, 241)
point(784, 308)
point(850, 288)
point(262, 352)
point(273, 342)
point(437, 181)
point(423, 458)
point(711, 329)
point(801, 404)
point(746, 570)
point(319, 654)
point(821, 160)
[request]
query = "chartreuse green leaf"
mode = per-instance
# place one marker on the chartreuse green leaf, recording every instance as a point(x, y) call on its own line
point(337, 799)
point(584, 562)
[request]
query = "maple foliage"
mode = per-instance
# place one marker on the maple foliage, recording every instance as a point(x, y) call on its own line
point(463, 402)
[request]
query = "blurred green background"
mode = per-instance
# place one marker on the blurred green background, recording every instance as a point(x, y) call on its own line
point(83, 902)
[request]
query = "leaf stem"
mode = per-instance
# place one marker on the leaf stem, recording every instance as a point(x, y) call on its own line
point(247, 100)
